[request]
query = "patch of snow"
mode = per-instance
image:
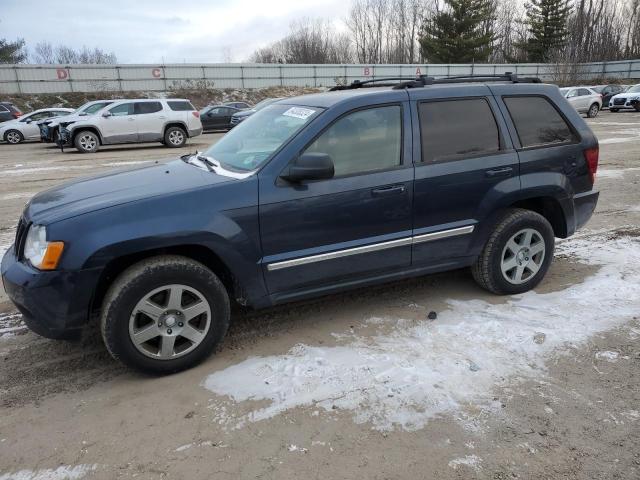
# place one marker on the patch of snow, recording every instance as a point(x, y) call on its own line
point(182, 448)
point(125, 163)
point(472, 461)
point(64, 472)
point(295, 448)
point(409, 373)
point(13, 196)
point(36, 170)
point(608, 355)
point(608, 141)
point(10, 323)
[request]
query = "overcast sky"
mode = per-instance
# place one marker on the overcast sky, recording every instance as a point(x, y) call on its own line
point(145, 31)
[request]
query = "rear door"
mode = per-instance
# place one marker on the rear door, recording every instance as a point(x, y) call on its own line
point(150, 118)
point(465, 162)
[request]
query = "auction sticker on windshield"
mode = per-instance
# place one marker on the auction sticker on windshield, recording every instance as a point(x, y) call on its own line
point(299, 112)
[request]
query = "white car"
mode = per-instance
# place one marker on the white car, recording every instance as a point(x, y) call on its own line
point(626, 100)
point(169, 121)
point(49, 129)
point(583, 99)
point(26, 127)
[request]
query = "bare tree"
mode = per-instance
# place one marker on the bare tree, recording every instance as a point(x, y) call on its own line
point(45, 52)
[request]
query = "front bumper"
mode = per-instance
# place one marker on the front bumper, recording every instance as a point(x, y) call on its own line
point(53, 304)
point(583, 206)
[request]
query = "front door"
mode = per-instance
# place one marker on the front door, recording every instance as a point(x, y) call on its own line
point(120, 126)
point(464, 163)
point(320, 234)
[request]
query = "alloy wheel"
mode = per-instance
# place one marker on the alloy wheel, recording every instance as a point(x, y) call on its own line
point(88, 142)
point(170, 322)
point(176, 137)
point(522, 256)
point(13, 137)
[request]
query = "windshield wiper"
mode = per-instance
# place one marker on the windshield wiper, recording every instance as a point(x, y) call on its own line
point(210, 162)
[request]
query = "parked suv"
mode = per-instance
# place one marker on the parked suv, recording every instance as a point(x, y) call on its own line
point(8, 111)
point(626, 100)
point(584, 100)
point(311, 195)
point(169, 121)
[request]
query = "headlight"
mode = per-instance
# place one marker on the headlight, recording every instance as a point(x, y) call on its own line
point(40, 253)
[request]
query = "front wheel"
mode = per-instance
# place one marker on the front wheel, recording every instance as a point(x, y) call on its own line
point(593, 111)
point(13, 137)
point(165, 314)
point(175, 137)
point(517, 255)
point(86, 142)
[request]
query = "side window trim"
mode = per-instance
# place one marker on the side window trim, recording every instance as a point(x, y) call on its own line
point(518, 147)
point(455, 158)
point(402, 163)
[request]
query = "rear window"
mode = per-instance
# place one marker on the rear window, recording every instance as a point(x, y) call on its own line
point(180, 105)
point(537, 122)
point(457, 129)
point(147, 107)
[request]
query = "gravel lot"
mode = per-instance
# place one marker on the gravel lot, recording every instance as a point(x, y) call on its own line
point(362, 384)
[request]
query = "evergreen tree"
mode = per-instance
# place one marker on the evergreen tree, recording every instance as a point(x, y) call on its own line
point(547, 26)
point(458, 34)
point(12, 52)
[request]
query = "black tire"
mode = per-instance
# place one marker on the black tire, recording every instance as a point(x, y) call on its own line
point(86, 141)
point(637, 107)
point(593, 110)
point(13, 137)
point(134, 284)
point(487, 270)
point(614, 110)
point(175, 137)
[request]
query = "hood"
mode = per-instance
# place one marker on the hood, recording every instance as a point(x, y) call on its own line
point(116, 188)
point(74, 117)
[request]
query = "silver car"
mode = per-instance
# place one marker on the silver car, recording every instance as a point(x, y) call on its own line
point(583, 99)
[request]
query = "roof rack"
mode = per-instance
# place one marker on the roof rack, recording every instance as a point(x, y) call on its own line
point(423, 81)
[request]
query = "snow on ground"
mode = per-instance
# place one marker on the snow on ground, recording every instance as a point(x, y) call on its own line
point(411, 372)
point(10, 324)
point(7, 236)
point(64, 472)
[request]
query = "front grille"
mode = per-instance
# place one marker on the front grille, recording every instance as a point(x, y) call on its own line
point(21, 234)
point(619, 101)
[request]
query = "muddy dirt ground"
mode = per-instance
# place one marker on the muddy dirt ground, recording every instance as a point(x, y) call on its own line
point(67, 410)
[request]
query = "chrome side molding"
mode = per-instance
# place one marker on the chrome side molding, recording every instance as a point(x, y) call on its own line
point(427, 237)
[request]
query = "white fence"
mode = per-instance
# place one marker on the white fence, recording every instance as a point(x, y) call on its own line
point(16, 79)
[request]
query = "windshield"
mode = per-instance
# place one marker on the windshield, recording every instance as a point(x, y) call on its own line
point(564, 91)
point(252, 142)
point(92, 108)
point(634, 89)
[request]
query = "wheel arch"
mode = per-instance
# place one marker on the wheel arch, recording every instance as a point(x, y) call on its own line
point(199, 253)
point(175, 123)
point(550, 208)
point(91, 128)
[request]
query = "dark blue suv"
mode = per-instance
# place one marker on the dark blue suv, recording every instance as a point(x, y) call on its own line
point(309, 196)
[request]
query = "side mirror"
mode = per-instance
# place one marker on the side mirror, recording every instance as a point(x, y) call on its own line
point(310, 166)
point(106, 114)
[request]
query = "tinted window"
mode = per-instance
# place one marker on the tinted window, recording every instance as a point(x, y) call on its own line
point(457, 128)
point(538, 122)
point(147, 107)
point(180, 105)
point(95, 107)
point(123, 109)
point(3, 109)
point(363, 141)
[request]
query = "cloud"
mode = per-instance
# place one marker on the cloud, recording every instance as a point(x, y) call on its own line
point(151, 31)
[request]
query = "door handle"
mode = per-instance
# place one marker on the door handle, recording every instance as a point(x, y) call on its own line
point(499, 172)
point(388, 190)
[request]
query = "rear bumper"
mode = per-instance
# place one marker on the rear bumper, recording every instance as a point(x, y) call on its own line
point(53, 304)
point(584, 205)
point(195, 132)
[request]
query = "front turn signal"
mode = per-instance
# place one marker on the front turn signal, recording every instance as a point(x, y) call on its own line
point(52, 256)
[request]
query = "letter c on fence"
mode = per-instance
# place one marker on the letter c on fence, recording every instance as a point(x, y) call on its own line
point(156, 72)
point(62, 73)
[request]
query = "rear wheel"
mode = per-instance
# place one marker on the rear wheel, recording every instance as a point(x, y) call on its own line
point(13, 137)
point(517, 255)
point(593, 111)
point(86, 142)
point(165, 314)
point(175, 137)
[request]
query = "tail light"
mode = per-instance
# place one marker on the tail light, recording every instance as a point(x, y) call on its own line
point(591, 156)
point(16, 114)
point(196, 114)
